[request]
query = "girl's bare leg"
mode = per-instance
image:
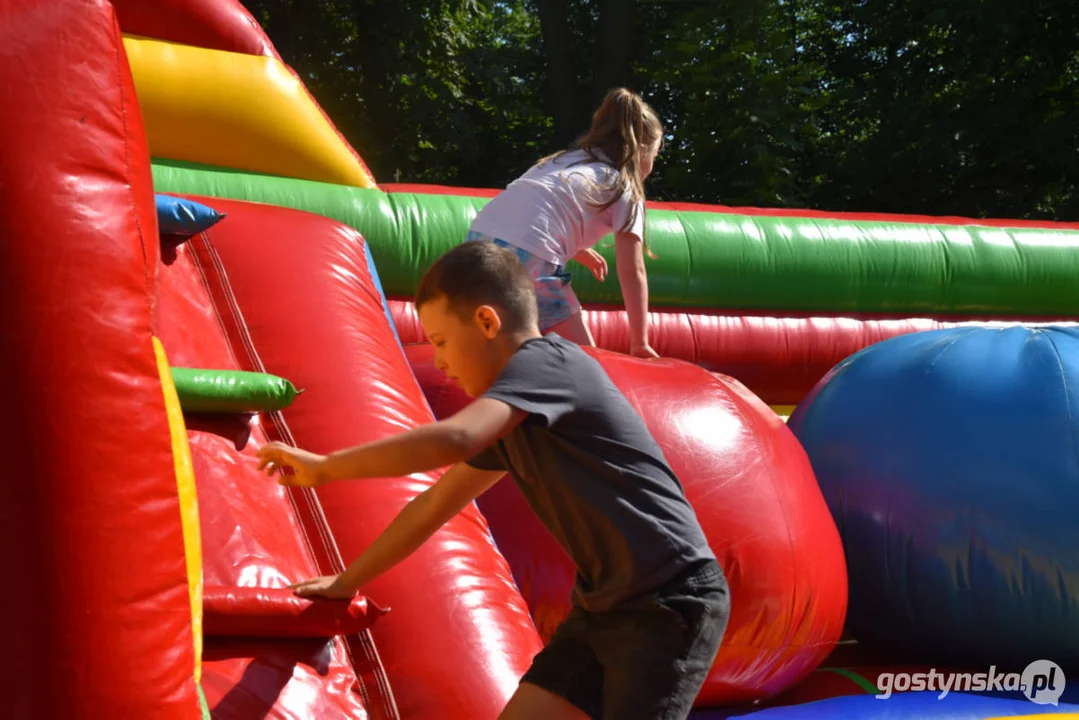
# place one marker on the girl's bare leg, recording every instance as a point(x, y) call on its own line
point(573, 328)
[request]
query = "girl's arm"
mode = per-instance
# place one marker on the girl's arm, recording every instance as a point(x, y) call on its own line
point(629, 256)
point(596, 263)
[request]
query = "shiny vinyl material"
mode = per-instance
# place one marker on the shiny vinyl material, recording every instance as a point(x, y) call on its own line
point(188, 497)
point(458, 636)
point(949, 461)
point(780, 359)
point(719, 258)
point(215, 24)
point(230, 391)
point(254, 538)
point(754, 492)
point(239, 111)
point(279, 612)
point(98, 616)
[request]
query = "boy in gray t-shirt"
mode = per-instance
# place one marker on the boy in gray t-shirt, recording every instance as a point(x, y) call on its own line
point(651, 603)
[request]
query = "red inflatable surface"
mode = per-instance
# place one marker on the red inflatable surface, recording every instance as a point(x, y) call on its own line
point(253, 536)
point(759, 504)
point(215, 24)
point(98, 620)
point(279, 612)
point(458, 636)
point(779, 358)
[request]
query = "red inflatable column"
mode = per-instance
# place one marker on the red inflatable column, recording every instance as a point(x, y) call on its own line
point(96, 604)
point(458, 637)
point(753, 489)
point(215, 24)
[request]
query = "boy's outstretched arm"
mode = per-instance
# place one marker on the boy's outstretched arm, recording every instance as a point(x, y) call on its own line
point(417, 522)
point(427, 447)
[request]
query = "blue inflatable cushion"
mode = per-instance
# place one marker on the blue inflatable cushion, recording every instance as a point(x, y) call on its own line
point(900, 706)
point(184, 218)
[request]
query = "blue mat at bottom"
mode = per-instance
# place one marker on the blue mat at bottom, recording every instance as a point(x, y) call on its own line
point(900, 706)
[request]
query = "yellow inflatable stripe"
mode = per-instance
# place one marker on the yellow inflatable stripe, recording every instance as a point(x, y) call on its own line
point(189, 508)
point(238, 111)
point(1043, 716)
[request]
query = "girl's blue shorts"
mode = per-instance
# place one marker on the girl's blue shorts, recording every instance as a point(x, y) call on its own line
point(554, 296)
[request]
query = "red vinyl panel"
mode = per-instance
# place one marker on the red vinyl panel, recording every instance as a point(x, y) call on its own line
point(422, 189)
point(251, 534)
point(757, 499)
point(297, 679)
point(778, 358)
point(215, 24)
point(96, 605)
point(458, 636)
point(279, 612)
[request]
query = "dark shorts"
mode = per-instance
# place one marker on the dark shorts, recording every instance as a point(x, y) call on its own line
point(645, 659)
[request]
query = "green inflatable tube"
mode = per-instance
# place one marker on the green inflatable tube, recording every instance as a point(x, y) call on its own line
point(204, 707)
point(231, 391)
point(714, 259)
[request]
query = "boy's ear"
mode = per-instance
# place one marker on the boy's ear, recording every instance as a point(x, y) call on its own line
point(488, 321)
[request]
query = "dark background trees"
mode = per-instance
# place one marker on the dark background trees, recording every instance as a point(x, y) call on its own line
point(965, 107)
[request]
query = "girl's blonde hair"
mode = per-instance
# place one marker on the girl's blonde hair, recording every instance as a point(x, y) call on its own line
point(621, 126)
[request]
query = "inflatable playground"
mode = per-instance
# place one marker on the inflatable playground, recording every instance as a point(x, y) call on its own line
point(874, 416)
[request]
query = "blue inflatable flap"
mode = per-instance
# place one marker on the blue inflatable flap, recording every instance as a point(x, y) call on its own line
point(184, 218)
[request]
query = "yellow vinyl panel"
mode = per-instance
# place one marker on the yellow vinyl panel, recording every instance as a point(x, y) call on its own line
point(189, 509)
point(238, 111)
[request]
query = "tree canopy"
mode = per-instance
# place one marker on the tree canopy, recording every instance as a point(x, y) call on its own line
point(913, 106)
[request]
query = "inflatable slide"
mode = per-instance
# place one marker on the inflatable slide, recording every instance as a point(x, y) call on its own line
point(196, 262)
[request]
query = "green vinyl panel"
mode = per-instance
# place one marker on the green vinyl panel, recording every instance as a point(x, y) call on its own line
point(713, 259)
point(231, 391)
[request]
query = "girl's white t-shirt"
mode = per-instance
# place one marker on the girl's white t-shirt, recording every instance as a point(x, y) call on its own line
point(547, 211)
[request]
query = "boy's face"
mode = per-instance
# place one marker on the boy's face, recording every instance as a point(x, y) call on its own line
point(464, 349)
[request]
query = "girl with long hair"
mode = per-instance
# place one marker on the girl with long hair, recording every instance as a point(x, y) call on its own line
point(567, 202)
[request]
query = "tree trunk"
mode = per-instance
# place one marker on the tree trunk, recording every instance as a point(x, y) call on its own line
point(614, 48)
point(561, 78)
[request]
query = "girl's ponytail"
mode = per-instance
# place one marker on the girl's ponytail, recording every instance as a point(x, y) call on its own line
point(621, 126)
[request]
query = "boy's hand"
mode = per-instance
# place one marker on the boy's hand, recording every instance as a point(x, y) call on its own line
point(275, 457)
point(329, 586)
point(594, 262)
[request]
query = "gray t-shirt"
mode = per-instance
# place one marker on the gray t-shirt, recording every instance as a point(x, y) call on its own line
point(593, 474)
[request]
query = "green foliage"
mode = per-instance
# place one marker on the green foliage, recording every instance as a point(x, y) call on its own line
point(730, 83)
point(967, 107)
point(433, 92)
point(914, 106)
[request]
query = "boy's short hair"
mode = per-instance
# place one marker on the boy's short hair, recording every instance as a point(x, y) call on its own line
point(479, 272)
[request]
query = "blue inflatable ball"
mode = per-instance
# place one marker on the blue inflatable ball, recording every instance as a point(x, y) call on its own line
point(950, 462)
